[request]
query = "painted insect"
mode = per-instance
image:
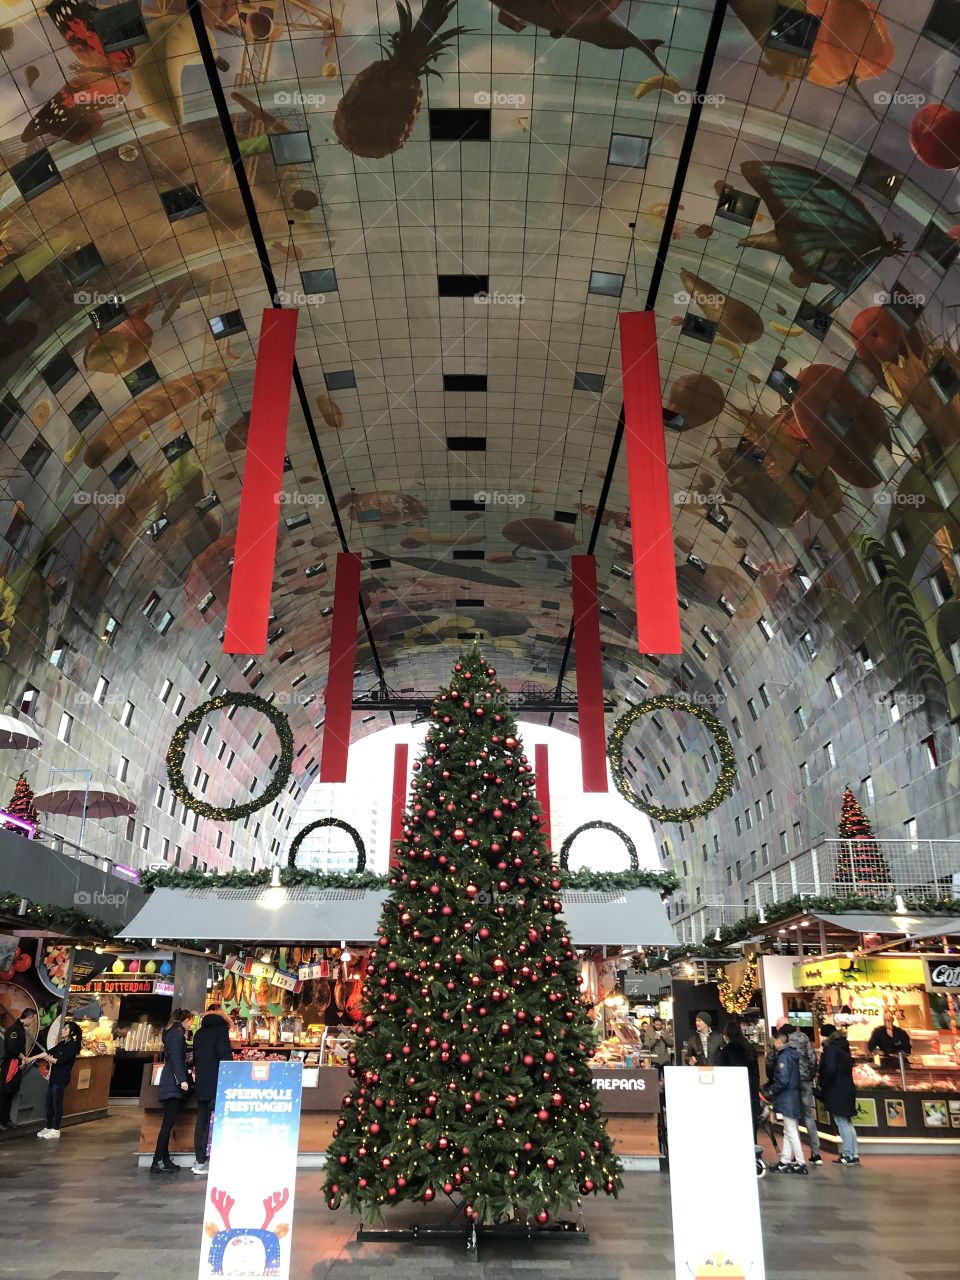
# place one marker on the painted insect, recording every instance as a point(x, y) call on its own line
point(233, 1250)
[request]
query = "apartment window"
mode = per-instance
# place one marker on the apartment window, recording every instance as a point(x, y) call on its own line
point(809, 648)
point(172, 804)
point(708, 635)
point(758, 809)
point(195, 824)
point(894, 710)
point(735, 726)
point(765, 627)
point(866, 786)
point(144, 837)
point(797, 838)
point(752, 708)
point(165, 850)
point(865, 660)
point(166, 620)
point(100, 693)
point(943, 24)
point(123, 764)
point(801, 718)
point(131, 826)
point(166, 690)
point(930, 747)
point(804, 773)
point(58, 651)
point(828, 751)
point(178, 705)
point(729, 875)
point(110, 628)
point(764, 696)
point(784, 848)
point(66, 725)
point(738, 825)
point(716, 843)
point(771, 802)
point(739, 869)
point(150, 604)
point(748, 819)
point(161, 792)
point(126, 716)
point(910, 827)
point(765, 854)
point(752, 762)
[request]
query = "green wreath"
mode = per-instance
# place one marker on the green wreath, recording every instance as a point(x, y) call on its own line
point(728, 760)
point(597, 825)
point(352, 832)
point(178, 747)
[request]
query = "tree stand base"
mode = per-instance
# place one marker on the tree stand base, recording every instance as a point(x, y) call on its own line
point(472, 1235)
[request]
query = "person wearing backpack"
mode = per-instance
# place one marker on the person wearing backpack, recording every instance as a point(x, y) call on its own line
point(174, 1086)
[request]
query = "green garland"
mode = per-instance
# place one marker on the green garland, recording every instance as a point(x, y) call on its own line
point(728, 760)
point(596, 881)
point(598, 825)
point(189, 725)
point(39, 916)
point(352, 832)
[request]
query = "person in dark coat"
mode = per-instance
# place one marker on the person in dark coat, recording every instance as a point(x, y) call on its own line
point(61, 1058)
point(11, 1066)
point(838, 1093)
point(784, 1094)
point(705, 1043)
point(737, 1052)
point(174, 1086)
point(211, 1046)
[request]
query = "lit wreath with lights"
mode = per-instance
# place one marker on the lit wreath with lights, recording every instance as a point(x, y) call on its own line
point(728, 760)
point(352, 832)
point(597, 825)
point(178, 749)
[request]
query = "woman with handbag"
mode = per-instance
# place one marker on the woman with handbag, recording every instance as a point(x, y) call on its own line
point(174, 1086)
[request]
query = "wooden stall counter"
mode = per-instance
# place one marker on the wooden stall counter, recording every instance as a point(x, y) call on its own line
point(88, 1093)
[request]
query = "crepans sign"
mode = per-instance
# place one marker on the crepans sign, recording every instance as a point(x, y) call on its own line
point(943, 975)
point(627, 1090)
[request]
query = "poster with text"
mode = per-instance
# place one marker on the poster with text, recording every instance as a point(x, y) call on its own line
point(248, 1207)
point(713, 1174)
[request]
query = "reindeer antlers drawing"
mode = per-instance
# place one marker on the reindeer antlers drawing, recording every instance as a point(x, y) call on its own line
point(223, 1205)
point(273, 1204)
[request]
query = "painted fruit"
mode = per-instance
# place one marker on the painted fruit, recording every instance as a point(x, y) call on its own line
point(876, 333)
point(698, 398)
point(841, 424)
point(935, 136)
point(852, 43)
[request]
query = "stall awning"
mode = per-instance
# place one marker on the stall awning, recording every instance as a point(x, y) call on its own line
point(875, 922)
point(301, 914)
point(304, 914)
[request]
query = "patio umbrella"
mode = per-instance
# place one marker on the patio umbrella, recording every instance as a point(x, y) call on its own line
point(17, 735)
point(97, 800)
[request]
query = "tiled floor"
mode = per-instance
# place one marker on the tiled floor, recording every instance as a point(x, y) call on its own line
point(79, 1210)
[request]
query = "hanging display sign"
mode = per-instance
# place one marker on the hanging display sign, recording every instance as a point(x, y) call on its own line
point(942, 975)
point(248, 1219)
point(900, 971)
point(288, 981)
point(308, 971)
point(233, 964)
point(713, 1234)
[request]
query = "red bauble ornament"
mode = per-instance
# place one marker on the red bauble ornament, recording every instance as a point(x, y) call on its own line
point(543, 1217)
point(459, 834)
point(429, 1193)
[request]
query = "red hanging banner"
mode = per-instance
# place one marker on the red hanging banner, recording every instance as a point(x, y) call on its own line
point(343, 648)
point(654, 568)
point(255, 549)
point(400, 752)
point(541, 768)
point(586, 638)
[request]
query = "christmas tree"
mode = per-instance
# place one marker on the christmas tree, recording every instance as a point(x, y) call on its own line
point(860, 864)
point(21, 806)
point(471, 1069)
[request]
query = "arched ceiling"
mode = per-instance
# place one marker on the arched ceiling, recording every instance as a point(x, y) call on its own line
point(775, 503)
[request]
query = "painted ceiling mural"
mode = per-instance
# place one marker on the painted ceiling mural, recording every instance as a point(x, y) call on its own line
point(806, 317)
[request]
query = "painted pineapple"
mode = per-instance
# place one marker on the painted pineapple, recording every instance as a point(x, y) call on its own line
point(377, 113)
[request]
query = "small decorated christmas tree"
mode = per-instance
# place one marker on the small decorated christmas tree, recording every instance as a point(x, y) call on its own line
point(860, 864)
point(472, 1065)
point(21, 806)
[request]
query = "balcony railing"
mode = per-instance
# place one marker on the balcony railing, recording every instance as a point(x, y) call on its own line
point(914, 869)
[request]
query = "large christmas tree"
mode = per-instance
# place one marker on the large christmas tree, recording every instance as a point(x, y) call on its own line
point(21, 805)
point(471, 1069)
point(860, 864)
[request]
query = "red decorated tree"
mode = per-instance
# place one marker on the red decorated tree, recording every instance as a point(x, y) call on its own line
point(471, 1070)
point(860, 864)
point(21, 806)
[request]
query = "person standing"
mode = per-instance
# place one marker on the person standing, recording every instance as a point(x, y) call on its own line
point(174, 1086)
point(61, 1058)
point(808, 1071)
point(658, 1043)
point(703, 1046)
point(736, 1051)
point(11, 1067)
point(211, 1046)
point(784, 1094)
point(889, 1041)
point(837, 1090)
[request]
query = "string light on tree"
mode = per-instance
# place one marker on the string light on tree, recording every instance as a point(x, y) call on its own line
point(738, 999)
point(859, 862)
point(727, 775)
